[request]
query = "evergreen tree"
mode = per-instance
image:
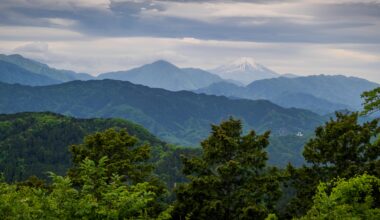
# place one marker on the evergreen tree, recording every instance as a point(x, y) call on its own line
point(344, 147)
point(230, 180)
point(371, 101)
point(341, 148)
point(125, 158)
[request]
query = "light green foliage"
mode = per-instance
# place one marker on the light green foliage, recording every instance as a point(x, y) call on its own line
point(271, 217)
point(96, 199)
point(230, 179)
point(126, 158)
point(112, 200)
point(341, 148)
point(111, 179)
point(356, 198)
point(371, 101)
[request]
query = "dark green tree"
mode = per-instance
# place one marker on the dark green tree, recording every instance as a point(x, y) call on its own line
point(344, 147)
point(125, 157)
point(371, 101)
point(341, 148)
point(230, 180)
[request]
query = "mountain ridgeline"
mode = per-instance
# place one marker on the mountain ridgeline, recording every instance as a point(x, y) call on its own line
point(116, 169)
point(177, 117)
point(162, 74)
point(47, 75)
point(240, 79)
point(12, 73)
point(322, 94)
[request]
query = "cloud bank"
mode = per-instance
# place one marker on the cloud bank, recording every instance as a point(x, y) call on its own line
point(303, 37)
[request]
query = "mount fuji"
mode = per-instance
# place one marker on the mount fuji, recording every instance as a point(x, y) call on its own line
point(244, 70)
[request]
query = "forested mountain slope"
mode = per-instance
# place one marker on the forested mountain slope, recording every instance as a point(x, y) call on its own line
point(35, 143)
point(178, 117)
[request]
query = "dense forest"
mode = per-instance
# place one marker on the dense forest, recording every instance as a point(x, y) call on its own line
point(114, 169)
point(34, 143)
point(177, 117)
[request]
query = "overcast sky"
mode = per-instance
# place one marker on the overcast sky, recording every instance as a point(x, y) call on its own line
point(289, 36)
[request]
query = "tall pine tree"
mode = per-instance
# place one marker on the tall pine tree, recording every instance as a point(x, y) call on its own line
point(230, 180)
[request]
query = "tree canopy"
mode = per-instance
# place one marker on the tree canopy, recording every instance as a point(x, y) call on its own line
point(355, 198)
point(341, 148)
point(124, 156)
point(371, 101)
point(230, 180)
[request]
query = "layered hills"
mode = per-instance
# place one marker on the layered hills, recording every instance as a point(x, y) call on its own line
point(321, 93)
point(178, 117)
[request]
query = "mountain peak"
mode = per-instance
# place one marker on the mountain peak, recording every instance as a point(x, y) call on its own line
point(15, 56)
point(162, 74)
point(246, 63)
point(244, 70)
point(162, 63)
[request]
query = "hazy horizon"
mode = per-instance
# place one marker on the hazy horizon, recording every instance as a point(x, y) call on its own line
point(301, 37)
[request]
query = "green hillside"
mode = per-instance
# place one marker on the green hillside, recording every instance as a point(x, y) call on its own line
point(177, 117)
point(34, 143)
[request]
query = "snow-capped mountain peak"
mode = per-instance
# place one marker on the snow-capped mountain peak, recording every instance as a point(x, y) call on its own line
point(245, 63)
point(244, 70)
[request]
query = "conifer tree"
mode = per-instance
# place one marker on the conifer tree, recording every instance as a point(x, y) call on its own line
point(341, 148)
point(371, 101)
point(230, 180)
point(125, 157)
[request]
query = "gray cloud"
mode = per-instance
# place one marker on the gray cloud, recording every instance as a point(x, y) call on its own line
point(308, 36)
point(149, 18)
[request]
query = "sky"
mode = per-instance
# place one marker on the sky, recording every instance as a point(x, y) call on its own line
point(302, 37)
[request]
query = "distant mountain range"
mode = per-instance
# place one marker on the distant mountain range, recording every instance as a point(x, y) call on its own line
point(322, 94)
point(162, 74)
point(244, 70)
point(32, 67)
point(12, 73)
point(178, 117)
point(159, 74)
